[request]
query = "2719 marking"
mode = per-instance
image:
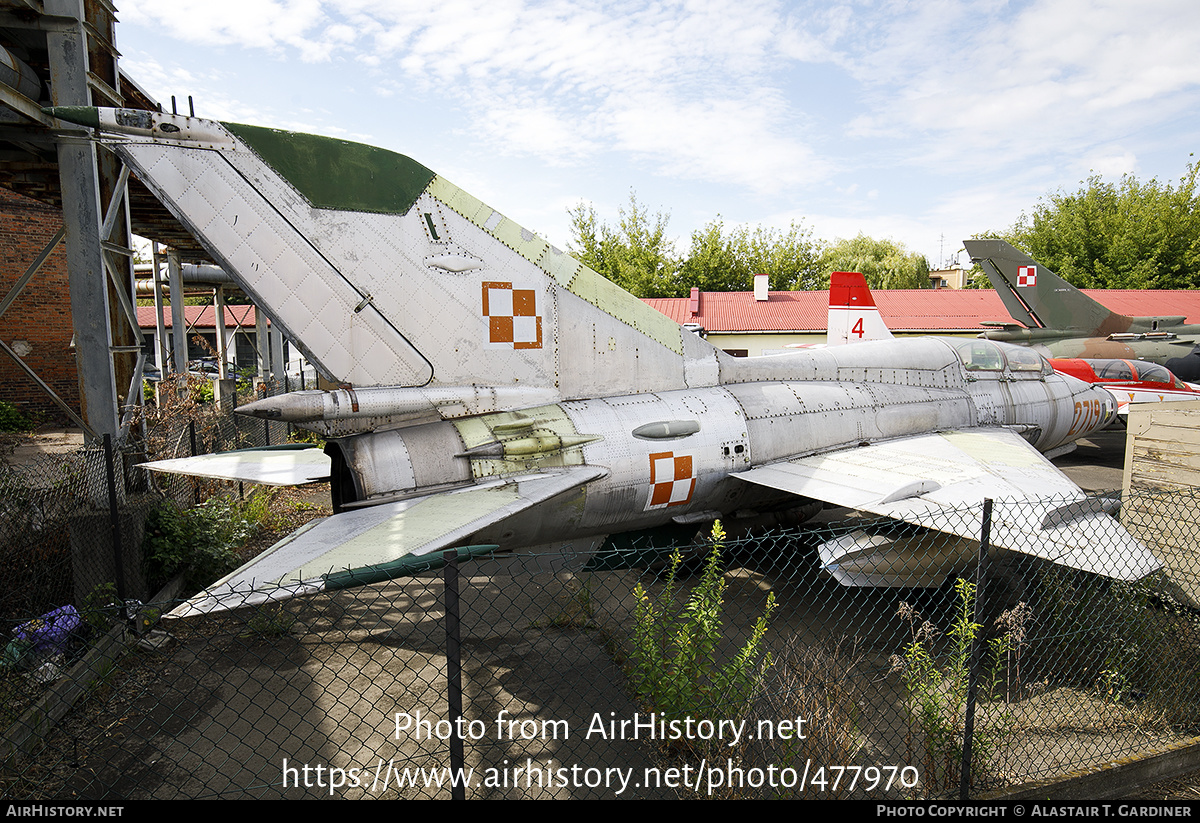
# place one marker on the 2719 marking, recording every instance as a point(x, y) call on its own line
point(1088, 415)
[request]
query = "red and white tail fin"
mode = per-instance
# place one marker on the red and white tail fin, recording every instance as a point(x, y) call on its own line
point(853, 316)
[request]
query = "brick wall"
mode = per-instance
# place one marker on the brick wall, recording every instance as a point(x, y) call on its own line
point(41, 316)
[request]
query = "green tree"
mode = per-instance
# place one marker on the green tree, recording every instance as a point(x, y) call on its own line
point(1129, 234)
point(885, 263)
point(720, 261)
point(636, 255)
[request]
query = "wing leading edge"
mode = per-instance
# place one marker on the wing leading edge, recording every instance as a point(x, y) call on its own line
point(939, 481)
point(377, 543)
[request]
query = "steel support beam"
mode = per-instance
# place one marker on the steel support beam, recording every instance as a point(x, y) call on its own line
point(162, 358)
point(33, 269)
point(89, 292)
point(179, 347)
point(278, 364)
point(79, 176)
point(222, 342)
point(260, 343)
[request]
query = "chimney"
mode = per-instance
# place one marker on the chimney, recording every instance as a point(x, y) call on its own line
point(761, 283)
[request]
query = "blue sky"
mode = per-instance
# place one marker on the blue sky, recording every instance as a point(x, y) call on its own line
point(925, 122)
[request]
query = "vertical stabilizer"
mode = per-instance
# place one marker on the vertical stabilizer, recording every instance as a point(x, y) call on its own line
point(853, 316)
point(385, 273)
point(1036, 296)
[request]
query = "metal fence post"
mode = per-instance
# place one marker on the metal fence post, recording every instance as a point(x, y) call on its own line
point(964, 779)
point(454, 673)
point(192, 441)
point(262, 394)
point(114, 516)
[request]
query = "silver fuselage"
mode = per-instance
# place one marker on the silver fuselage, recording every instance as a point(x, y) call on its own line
point(689, 445)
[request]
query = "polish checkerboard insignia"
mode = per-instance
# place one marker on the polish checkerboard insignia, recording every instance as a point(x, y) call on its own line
point(671, 480)
point(512, 314)
point(1026, 276)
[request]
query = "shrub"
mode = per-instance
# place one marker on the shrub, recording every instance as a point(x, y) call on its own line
point(1132, 643)
point(199, 542)
point(937, 691)
point(13, 419)
point(101, 607)
point(674, 664)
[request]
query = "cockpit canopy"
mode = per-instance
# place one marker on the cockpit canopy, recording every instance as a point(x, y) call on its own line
point(1135, 371)
point(981, 355)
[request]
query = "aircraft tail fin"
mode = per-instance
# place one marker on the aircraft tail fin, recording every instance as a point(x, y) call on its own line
point(386, 274)
point(1036, 296)
point(853, 316)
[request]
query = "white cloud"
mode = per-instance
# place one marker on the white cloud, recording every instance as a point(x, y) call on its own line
point(539, 130)
point(689, 88)
point(877, 113)
point(1028, 78)
point(724, 140)
point(1112, 165)
point(266, 24)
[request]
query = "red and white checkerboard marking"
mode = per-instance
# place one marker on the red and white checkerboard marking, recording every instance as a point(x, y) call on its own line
point(671, 480)
point(1026, 276)
point(512, 316)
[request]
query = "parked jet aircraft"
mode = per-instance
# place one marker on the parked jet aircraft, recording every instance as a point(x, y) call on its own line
point(868, 557)
point(498, 391)
point(1061, 321)
point(853, 317)
point(1130, 381)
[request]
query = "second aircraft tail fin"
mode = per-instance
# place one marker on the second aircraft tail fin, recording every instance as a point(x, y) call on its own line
point(1036, 296)
point(853, 316)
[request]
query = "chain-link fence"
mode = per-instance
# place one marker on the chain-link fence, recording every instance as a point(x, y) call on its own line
point(729, 665)
point(194, 415)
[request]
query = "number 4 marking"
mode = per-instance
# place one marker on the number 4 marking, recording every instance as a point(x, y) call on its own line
point(858, 328)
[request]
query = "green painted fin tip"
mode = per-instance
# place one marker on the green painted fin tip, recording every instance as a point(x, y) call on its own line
point(338, 174)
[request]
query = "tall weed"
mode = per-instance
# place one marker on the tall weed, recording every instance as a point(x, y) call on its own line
point(936, 679)
point(674, 662)
point(200, 542)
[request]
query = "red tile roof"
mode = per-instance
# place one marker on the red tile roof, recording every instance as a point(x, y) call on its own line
point(201, 317)
point(918, 310)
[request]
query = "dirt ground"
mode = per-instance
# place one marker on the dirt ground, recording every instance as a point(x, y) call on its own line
point(1095, 466)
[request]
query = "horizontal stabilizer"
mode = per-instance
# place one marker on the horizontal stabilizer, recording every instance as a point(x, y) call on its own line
point(366, 545)
point(270, 466)
point(963, 468)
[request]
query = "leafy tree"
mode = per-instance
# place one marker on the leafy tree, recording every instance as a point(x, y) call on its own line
point(885, 263)
point(1130, 234)
point(636, 255)
point(718, 261)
